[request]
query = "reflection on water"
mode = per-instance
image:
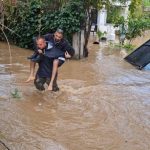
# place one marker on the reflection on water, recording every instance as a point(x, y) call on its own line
point(103, 104)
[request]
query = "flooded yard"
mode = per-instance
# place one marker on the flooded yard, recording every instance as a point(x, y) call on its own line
point(103, 104)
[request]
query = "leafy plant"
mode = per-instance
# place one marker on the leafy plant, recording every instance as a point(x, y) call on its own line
point(101, 34)
point(16, 94)
point(34, 17)
point(136, 27)
point(113, 14)
point(119, 21)
point(129, 47)
point(136, 8)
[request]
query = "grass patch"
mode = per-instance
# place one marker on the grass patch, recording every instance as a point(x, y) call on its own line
point(129, 47)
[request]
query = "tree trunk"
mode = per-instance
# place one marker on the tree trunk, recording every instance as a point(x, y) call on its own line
point(87, 32)
point(78, 44)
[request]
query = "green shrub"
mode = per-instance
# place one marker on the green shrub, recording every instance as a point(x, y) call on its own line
point(16, 94)
point(100, 34)
point(33, 18)
point(113, 14)
point(136, 26)
point(129, 47)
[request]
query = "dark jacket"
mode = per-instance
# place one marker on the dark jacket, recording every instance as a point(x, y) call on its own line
point(63, 45)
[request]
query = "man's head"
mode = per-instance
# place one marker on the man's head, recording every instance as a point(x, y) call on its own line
point(58, 35)
point(41, 43)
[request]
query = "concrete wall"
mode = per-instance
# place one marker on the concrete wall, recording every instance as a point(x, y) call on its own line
point(78, 44)
point(102, 17)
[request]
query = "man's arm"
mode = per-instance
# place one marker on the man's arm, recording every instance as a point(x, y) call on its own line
point(69, 49)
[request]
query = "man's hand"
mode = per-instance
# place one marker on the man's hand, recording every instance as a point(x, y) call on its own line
point(40, 51)
point(67, 55)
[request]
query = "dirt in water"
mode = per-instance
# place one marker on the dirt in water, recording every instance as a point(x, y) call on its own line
point(103, 104)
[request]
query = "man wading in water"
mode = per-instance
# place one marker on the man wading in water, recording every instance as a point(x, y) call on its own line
point(51, 51)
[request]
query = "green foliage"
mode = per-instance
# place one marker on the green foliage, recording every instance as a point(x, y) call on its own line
point(117, 46)
point(136, 22)
point(35, 17)
point(146, 2)
point(135, 8)
point(113, 15)
point(16, 94)
point(100, 34)
point(129, 47)
point(71, 17)
point(136, 27)
point(119, 21)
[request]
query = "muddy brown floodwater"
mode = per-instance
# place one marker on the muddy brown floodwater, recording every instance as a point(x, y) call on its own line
point(103, 104)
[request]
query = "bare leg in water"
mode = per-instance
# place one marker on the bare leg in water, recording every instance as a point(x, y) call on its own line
point(54, 72)
point(32, 70)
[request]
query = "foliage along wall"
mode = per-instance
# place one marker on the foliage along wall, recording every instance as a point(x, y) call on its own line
point(27, 20)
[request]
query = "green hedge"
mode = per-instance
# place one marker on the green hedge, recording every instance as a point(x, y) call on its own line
point(136, 26)
point(31, 19)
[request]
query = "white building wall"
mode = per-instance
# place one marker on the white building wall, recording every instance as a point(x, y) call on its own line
point(102, 17)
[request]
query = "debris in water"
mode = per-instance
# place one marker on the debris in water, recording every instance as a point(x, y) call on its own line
point(16, 94)
point(40, 104)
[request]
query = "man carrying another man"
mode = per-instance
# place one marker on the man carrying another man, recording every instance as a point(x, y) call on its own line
point(51, 51)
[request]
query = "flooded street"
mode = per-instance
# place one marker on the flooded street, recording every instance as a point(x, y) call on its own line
point(103, 104)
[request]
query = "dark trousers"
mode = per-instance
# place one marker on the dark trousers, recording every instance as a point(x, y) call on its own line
point(39, 83)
